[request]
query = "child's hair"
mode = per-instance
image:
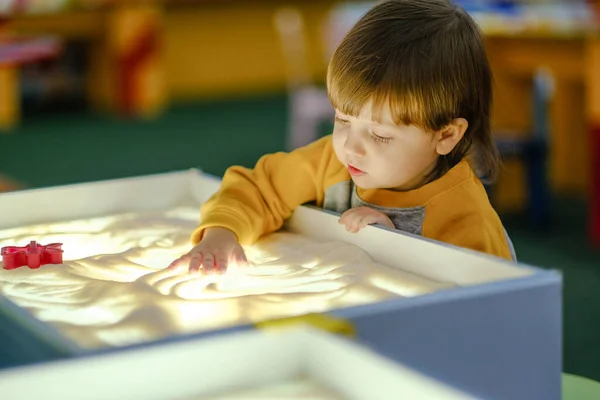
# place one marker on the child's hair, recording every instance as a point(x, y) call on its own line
point(425, 59)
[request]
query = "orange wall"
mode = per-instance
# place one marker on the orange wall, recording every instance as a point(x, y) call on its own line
point(216, 51)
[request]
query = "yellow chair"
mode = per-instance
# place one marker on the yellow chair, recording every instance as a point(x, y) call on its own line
point(579, 388)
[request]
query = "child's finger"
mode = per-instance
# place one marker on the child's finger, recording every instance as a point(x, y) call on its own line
point(208, 262)
point(354, 225)
point(345, 217)
point(349, 225)
point(195, 262)
point(240, 258)
point(365, 220)
point(344, 221)
point(176, 263)
point(220, 263)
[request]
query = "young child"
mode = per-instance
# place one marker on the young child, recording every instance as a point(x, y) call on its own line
point(412, 90)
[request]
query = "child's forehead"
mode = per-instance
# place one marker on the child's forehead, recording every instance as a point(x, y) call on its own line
point(377, 113)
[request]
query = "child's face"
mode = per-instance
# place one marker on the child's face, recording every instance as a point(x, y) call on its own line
point(383, 155)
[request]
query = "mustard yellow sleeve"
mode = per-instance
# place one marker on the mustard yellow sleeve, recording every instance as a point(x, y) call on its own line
point(471, 232)
point(253, 202)
point(463, 217)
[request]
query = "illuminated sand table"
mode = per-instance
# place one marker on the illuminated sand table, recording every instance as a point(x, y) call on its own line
point(113, 288)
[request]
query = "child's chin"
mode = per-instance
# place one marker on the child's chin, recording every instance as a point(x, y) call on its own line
point(364, 182)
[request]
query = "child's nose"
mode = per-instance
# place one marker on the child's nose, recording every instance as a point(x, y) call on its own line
point(354, 146)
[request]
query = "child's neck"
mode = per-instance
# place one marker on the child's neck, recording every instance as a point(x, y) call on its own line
point(426, 176)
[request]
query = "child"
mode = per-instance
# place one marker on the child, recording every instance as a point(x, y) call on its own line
point(411, 87)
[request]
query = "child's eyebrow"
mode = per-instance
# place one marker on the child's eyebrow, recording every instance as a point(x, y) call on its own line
point(372, 121)
point(388, 126)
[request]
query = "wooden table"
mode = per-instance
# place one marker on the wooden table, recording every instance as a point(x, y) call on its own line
point(125, 75)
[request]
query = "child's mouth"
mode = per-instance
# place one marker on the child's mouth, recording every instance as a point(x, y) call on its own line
point(355, 171)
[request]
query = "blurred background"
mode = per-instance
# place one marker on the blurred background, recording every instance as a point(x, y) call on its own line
point(100, 89)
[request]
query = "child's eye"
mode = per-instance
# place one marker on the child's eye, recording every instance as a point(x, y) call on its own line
point(380, 139)
point(341, 121)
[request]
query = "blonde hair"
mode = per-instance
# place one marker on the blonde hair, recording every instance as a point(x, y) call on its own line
point(426, 61)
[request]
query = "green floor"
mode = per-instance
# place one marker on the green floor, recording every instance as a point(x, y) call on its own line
point(53, 150)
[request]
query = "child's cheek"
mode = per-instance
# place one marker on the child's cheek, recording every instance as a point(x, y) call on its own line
point(338, 146)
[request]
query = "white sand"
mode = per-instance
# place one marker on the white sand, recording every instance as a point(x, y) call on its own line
point(113, 288)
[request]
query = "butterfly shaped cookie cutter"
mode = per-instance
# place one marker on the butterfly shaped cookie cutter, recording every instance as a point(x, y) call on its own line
point(34, 255)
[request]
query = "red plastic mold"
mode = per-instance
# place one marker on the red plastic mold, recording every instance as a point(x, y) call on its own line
point(34, 255)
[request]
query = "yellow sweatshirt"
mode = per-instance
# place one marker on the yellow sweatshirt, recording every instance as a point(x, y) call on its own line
point(252, 202)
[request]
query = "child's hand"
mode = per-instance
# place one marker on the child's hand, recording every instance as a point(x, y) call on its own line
point(357, 218)
point(216, 250)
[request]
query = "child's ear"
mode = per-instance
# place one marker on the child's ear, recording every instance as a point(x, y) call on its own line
point(449, 137)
